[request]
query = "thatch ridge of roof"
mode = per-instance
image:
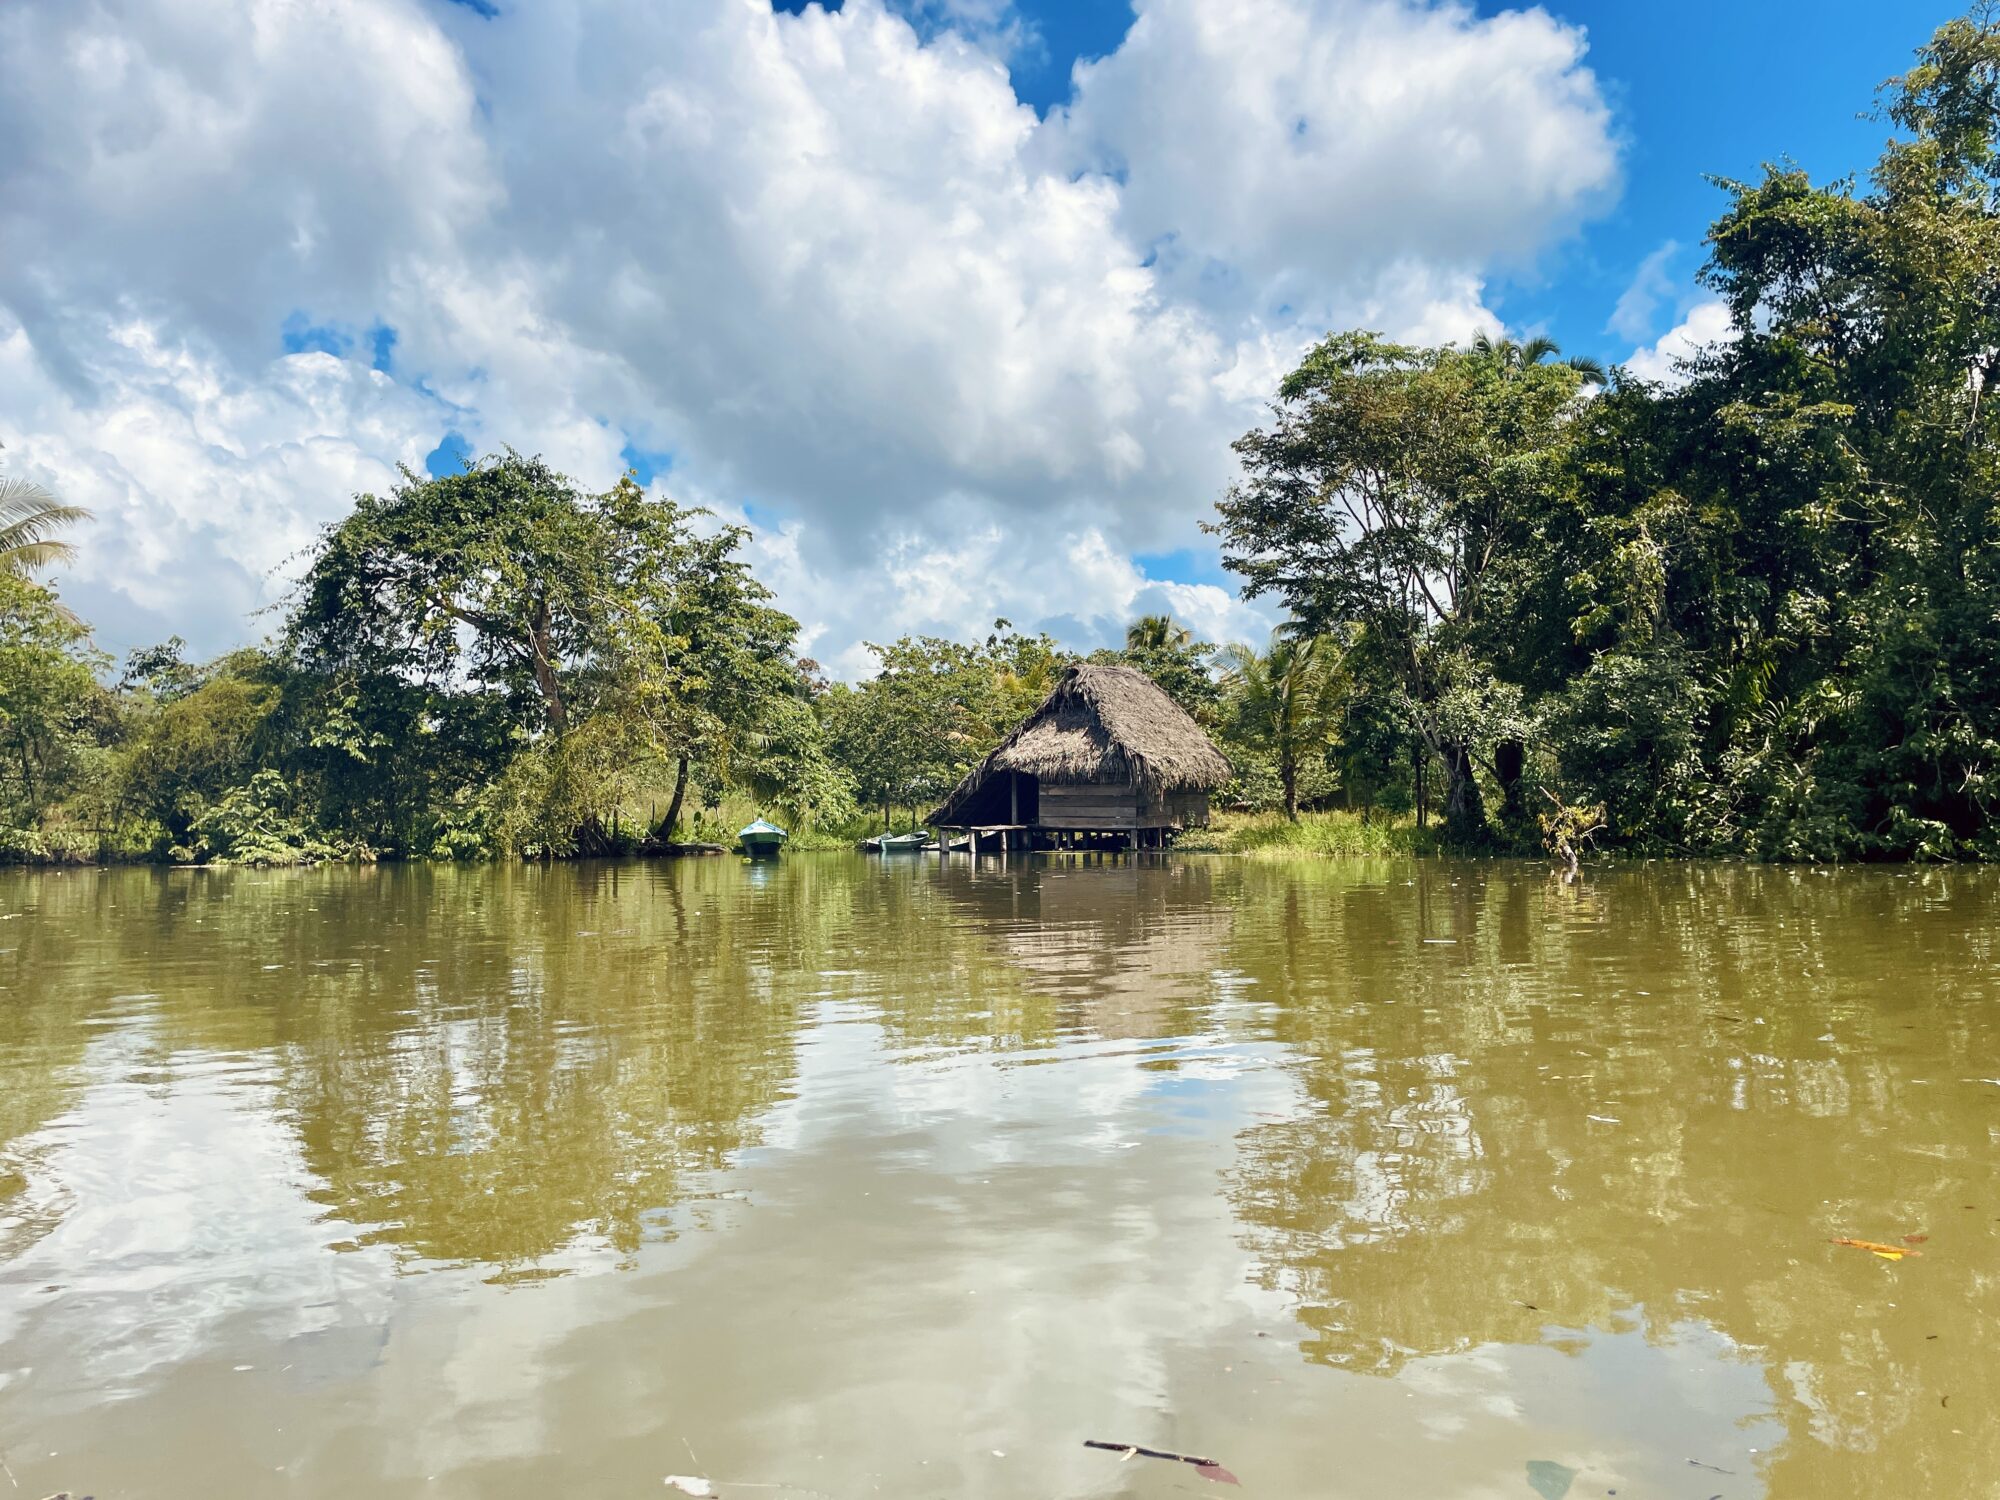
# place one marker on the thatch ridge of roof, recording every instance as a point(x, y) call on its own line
point(1104, 723)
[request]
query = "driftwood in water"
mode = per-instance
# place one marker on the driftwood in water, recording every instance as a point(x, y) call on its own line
point(669, 847)
point(1208, 1468)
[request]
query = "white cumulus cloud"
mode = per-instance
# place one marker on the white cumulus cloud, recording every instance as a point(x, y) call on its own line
point(960, 361)
point(1705, 324)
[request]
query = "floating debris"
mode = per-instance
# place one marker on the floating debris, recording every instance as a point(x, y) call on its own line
point(1207, 1468)
point(1876, 1247)
point(689, 1484)
point(1550, 1479)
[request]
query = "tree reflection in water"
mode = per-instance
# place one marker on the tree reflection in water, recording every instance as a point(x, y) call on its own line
point(1464, 1121)
point(1529, 1107)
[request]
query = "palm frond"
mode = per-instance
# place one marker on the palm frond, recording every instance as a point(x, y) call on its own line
point(30, 522)
point(24, 557)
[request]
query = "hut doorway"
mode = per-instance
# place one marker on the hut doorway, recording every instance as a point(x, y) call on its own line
point(1006, 799)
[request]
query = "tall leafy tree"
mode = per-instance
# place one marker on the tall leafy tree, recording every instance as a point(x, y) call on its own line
point(503, 576)
point(620, 630)
point(1391, 492)
point(209, 732)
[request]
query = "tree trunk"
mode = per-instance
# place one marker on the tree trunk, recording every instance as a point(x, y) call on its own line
point(542, 649)
point(1464, 813)
point(1288, 773)
point(1510, 764)
point(28, 781)
point(666, 829)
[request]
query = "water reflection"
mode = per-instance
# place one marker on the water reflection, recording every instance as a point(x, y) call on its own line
point(1126, 950)
point(1427, 1171)
point(1532, 1107)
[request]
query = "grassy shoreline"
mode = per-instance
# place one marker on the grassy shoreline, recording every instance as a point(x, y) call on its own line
point(1270, 835)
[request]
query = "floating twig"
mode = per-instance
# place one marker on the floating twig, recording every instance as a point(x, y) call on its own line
point(1208, 1468)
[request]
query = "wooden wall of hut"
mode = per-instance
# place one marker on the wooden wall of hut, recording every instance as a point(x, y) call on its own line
point(1114, 805)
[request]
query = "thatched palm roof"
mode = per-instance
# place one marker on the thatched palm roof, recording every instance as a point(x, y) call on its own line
point(1110, 724)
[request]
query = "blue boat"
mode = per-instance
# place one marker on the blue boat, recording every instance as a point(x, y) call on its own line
point(761, 840)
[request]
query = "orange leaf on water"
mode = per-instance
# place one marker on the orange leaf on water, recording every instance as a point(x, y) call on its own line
point(1876, 1247)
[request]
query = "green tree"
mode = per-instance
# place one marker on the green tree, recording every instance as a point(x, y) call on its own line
point(183, 754)
point(502, 576)
point(1511, 358)
point(909, 732)
point(698, 664)
point(617, 633)
point(1820, 492)
point(1005, 680)
point(49, 696)
point(1169, 653)
point(1287, 701)
point(1393, 492)
point(161, 673)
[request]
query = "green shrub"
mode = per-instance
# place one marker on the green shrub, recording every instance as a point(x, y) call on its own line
point(253, 825)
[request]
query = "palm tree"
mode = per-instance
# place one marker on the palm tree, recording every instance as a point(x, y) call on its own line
point(1157, 633)
point(1288, 700)
point(30, 522)
point(1510, 356)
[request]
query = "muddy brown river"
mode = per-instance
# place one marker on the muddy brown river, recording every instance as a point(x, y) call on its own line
point(846, 1177)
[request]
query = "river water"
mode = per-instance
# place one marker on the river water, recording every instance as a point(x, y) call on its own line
point(860, 1178)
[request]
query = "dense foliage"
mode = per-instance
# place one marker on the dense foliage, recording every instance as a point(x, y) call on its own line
point(1754, 610)
point(485, 662)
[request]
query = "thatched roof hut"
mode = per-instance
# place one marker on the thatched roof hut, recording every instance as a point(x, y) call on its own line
point(1108, 751)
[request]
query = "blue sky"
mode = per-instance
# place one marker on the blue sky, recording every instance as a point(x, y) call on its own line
point(957, 327)
point(1695, 94)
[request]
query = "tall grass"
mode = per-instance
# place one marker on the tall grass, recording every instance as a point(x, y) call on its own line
point(1270, 835)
